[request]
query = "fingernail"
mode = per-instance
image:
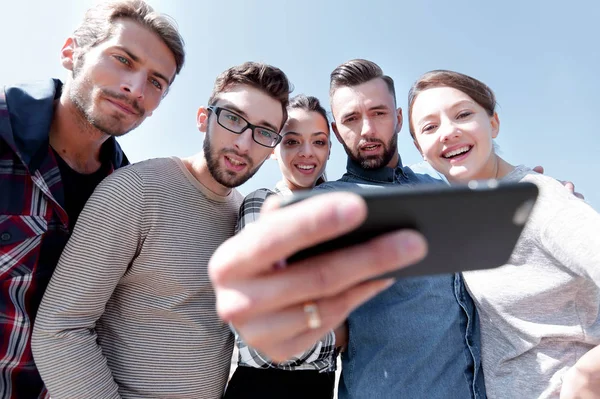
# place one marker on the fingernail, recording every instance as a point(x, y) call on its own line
point(383, 285)
point(349, 209)
point(387, 283)
point(412, 244)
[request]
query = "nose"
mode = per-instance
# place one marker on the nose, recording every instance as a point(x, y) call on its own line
point(449, 131)
point(306, 150)
point(135, 85)
point(368, 127)
point(243, 141)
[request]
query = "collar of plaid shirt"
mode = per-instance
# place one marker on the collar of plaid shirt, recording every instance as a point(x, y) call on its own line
point(33, 225)
point(26, 128)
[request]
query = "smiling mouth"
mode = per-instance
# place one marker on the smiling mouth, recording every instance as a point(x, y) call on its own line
point(305, 167)
point(234, 162)
point(122, 107)
point(370, 147)
point(457, 152)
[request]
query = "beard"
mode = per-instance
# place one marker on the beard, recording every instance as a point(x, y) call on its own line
point(224, 177)
point(81, 94)
point(374, 161)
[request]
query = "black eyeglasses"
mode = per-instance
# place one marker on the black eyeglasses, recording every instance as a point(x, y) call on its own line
point(237, 124)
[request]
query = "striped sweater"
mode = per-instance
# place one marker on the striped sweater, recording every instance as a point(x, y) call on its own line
point(130, 311)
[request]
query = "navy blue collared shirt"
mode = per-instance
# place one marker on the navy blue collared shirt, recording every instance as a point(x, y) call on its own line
point(418, 339)
point(356, 175)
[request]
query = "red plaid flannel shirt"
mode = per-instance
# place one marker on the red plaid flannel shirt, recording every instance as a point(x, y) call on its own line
point(33, 226)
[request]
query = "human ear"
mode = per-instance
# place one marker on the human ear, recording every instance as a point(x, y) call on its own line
point(202, 119)
point(400, 119)
point(67, 54)
point(495, 122)
point(337, 134)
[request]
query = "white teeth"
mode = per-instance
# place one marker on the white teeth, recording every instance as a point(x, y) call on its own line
point(305, 167)
point(370, 147)
point(458, 151)
point(234, 162)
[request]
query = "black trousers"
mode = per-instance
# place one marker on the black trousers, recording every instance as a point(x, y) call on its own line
point(250, 382)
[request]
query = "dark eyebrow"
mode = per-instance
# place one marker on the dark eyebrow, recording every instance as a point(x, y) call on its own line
point(161, 76)
point(135, 58)
point(348, 115)
point(379, 107)
point(312, 134)
point(266, 124)
point(373, 108)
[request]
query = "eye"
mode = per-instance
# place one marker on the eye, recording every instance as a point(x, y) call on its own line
point(350, 119)
point(464, 114)
point(232, 118)
point(266, 133)
point(321, 143)
point(380, 113)
point(156, 83)
point(291, 142)
point(122, 60)
point(428, 128)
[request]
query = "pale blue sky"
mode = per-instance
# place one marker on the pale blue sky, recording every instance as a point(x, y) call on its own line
point(542, 58)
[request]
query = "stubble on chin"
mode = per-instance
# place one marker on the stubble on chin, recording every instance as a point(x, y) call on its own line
point(379, 161)
point(224, 177)
point(85, 100)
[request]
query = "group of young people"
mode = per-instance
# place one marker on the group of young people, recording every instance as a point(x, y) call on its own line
point(132, 281)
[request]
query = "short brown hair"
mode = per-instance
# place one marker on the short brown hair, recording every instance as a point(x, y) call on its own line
point(356, 72)
point(97, 25)
point(476, 89)
point(269, 79)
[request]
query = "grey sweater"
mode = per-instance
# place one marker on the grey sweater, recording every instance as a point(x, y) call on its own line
point(130, 311)
point(540, 312)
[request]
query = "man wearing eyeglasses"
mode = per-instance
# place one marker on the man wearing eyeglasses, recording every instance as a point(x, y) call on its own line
point(130, 311)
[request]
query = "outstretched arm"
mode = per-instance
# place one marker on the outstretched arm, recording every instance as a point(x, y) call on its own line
point(267, 305)
point(320, 354)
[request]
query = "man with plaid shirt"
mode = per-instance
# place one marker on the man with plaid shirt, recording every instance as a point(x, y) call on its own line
point(57, 142)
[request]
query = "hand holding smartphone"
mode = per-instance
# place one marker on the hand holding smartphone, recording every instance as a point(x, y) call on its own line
point(468, 227)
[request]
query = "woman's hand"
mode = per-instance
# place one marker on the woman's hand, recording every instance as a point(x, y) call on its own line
point(582, 381)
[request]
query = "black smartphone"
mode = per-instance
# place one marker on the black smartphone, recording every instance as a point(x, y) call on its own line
point(467, 227)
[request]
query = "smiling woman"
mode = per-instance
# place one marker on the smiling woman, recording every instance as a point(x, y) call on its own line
point(305, 146)
point(302, 156)
point(540, 330)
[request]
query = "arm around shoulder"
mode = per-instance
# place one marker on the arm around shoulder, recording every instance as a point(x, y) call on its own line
point(572, 235)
